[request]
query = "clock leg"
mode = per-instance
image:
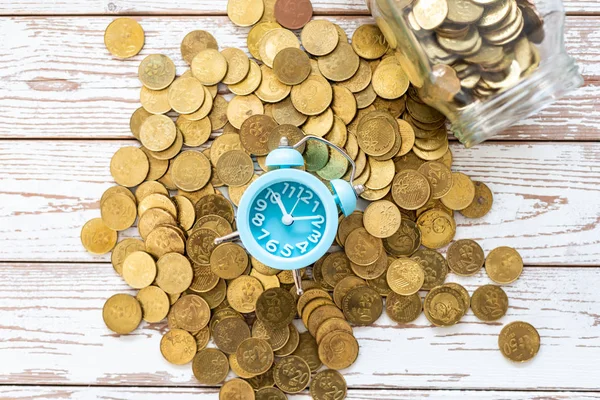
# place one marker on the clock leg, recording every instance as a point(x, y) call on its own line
point(298, 281)
point(226, 238)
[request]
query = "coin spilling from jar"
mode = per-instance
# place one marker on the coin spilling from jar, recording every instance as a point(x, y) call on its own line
point(225, 310)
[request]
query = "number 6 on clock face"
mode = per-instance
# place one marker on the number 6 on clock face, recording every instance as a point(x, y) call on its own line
point(288, 220)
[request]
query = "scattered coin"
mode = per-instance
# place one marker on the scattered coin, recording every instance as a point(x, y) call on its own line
point(122, 313)
point(504, 265)
point(178, 346)
point(489, 303)
point(519, 341)
point(124, 37)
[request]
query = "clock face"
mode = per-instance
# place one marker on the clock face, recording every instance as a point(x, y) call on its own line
point(287, 219)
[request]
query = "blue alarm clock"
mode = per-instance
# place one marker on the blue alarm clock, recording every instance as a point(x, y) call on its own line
point(287, 219)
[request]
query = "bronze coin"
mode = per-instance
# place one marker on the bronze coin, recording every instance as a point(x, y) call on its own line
point(293, 14)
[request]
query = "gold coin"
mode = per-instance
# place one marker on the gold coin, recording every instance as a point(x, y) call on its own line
point(308, 350)
point(191, 312)
point(437, 228)
point(238, 65)
point(368, 42)
point(254, 134)
point(291, 344)
point(196, 41)
point(241, 108)
point(362, 305)
point(270, 393)
point(343, 104)
point(348, 224)
point(139, 270)
point(215, 296)
point(394, 106)
point(285, 113)
point(243, 293)
point(344, 286)
point(169, 153)
point(403, 309)
point(223, 144)
point(444, 306)
point(463, 292)
point(210, 366)
point(410, 189)
point(149, 187)
point(439, 177)
point(319, 37)
point(186, 215)
point(174, 273)
point(504, 265)
point(209, 67)
point(519, 341)
point(153, 218)
point(118, 212)
point(434, 266)
point(341, 64)
point(202, 338)
point(371, 271)
point(154, 302)
point(482, 202)
point(376, 133)
point(236, 389)
point(320, 315)
point(390, 81)
point(122, 250)
point(129, 166)
point(309, 295)
point(256, 34)
point(158, 132)
point(245, 12)
point(250, 83)
point(163, 240)
point(204, 279)
point(461, 194)
point(214, 204)
point(332, 325)
point(291, 374)
point(338, 350)
point(156, 71)
point(198, 194)
point(382, 174)
point(275, 308)
point(313, 96)
point(117, 190)
point(328, 385)
point(405, 241)
point(255, 355)
point(291, 66)
point(408, 137)
point(312, 305)
point(235, 168)
point(382, 218)
point(218, 115)
point(362, 248)
point(465, 257)
point(365, 97)
point(235, 367)
point(262, 381)
point(277, 338)
point(336, 266)
point(228, 333)
point(122, 313)
point(430, 14)
point(157, 200)
point(360, 80)
point(200, 244)
point(97, 238)
point(271, 89)
point(273, 42)
point(191, 171)
point(319, 125)
point(186, 95)
point(405, 276)
point(489, 303)
point(124, 37)
point(228, 260)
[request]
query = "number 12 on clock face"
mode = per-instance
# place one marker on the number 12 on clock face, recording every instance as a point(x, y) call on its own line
point(287, 219)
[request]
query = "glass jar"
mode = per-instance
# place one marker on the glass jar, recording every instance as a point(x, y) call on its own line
point(485, 64)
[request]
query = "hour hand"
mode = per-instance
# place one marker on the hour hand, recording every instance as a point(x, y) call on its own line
point(277, 198)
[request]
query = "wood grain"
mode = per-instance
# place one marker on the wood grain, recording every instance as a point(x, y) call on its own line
point(546, 198)
point(58, 80)
point(184, 7)
point(139, 393)
point(53, 333)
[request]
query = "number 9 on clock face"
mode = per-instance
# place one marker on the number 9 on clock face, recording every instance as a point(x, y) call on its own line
point(289, 223)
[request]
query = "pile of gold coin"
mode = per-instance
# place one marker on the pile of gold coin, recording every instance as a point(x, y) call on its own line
point(476, 48)
point(358, 97)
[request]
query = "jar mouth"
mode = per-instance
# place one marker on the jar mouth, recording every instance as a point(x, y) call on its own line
point(555, 77)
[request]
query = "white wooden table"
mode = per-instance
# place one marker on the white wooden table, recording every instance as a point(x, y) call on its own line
point(64, 109)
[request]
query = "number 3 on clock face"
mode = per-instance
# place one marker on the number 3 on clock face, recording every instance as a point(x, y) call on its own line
point(288, 223)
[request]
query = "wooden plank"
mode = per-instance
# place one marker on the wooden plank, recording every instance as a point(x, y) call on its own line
point(183, 7)
point(139, 393)
point(58, 80)
point(52, 332)
point(546, 198)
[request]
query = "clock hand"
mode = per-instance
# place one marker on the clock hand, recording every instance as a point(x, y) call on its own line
point(277, 197)
point(293, 208)
point(308, 218)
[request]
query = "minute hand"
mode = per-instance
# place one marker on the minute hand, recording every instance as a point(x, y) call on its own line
point(309, 218)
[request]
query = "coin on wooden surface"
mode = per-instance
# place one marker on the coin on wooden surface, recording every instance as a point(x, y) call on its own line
point(437, 228)
point(291, 374)
point(444, 306)
point(405, 276)
point(519, 341)
point(461, 194)
point(338, 350)
point(255, 355)
point(156, 71)
point(328, 385)
point(291, 66)
point(196, 41)
point(270, 393)
point(362, 248)
point(489, 303)
point(313, 96)
point(465, 257)
point(308, 350)
point(245, 12)
point(276, 308)
point(209, 66)
point(482, 202)
point(273, 42)
point(122, 313)
point(210, 366)
point(129, 166)
point(154, 302)
point(410, 189)
point(124, 37)
point(362, 305)
point(228, 333)
point(434, 266)
point(319, 37)
point(403, 309)
point(504, 265)
point(382, 218)
point(178, 346)
point(174, 273)
point(191, 312)
point(293, 14)
point(139, 269)
point(97, 238)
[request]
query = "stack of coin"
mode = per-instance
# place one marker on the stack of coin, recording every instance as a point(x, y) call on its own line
point(221, 294)
point(475, 48)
